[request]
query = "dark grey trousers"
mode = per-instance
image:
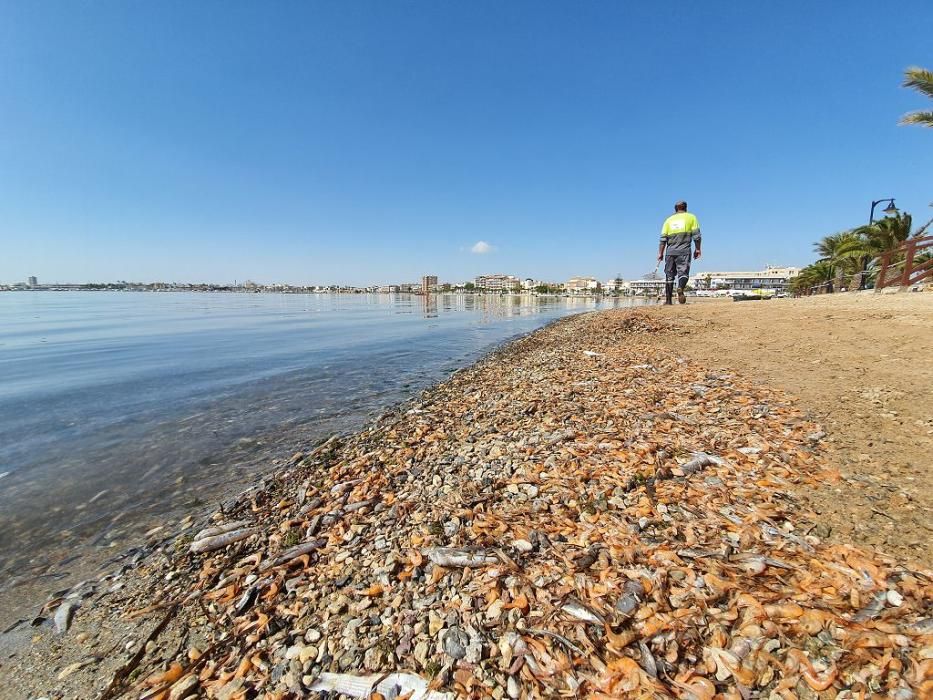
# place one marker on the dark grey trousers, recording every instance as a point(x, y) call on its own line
point(677, 267)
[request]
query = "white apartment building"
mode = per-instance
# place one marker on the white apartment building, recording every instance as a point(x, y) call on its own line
point(616, 284)
point(644, 287)
point(583, 285)
point(776, 278)
point(498, 283)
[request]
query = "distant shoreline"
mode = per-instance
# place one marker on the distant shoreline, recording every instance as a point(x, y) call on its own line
point(299, 290)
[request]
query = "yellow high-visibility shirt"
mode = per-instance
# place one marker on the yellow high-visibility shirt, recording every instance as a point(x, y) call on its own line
point(681, 222)
point(679, 231)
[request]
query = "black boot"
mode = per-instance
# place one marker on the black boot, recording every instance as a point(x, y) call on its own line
point(668, 293)
point(681, 296)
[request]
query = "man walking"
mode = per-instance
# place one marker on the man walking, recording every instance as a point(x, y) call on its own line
point(678, 231)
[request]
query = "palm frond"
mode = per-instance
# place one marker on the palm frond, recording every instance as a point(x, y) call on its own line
point(921, 118)
point(920, 79)
point(923, 229)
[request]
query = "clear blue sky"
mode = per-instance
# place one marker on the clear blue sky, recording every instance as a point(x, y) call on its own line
point(378, 141)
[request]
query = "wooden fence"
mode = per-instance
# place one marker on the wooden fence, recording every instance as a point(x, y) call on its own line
point(899, 267)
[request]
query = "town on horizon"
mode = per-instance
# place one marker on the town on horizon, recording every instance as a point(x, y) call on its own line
point(772, 278)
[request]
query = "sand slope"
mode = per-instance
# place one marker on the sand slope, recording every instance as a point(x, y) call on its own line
point(863, 364)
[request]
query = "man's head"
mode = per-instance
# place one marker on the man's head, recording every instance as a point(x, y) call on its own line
point(680, 206)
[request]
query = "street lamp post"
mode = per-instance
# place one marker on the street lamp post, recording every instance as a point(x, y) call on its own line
point(890, 209)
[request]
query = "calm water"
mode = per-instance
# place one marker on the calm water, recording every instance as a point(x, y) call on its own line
point(118, 410)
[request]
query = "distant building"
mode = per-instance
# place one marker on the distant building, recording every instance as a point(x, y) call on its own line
point(32, 282)
point(583, 285)
point(615, 285)
point(528, 284)
point(498, 283)
point(389, 289)
point(428, 284)
point(644, 287)
point(776, 278)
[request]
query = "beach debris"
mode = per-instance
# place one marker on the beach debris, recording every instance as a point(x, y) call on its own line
point(450, 556)
point(391, 685)
point(63, 615)
point(536, 527)
point(579, 611)
point(220, 529)
point(209, 544)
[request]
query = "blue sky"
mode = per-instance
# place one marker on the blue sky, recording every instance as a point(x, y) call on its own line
point(369, 142)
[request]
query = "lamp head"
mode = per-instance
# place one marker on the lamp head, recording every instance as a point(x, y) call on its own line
point(890, 210)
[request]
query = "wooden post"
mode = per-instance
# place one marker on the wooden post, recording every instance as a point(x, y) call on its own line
point(884, 271)
point(908, 263)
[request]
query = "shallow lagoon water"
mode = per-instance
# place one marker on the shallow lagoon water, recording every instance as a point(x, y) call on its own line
point(120, 409)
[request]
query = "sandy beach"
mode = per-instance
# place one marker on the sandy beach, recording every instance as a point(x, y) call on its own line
point(718, 498)
point(861, 364)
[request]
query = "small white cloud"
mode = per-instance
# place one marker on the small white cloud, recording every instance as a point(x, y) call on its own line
point(481, 248)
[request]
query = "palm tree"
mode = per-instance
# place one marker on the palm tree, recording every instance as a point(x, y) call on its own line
point(841, 252)
point(815, 275)
point(885, 234)
point(921, 80)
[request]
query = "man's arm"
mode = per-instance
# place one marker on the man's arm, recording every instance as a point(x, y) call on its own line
point(697, 239)
point(663, 244)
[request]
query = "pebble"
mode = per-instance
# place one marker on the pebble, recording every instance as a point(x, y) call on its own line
point(421, 653)
point(455, 643)
point(435, 623)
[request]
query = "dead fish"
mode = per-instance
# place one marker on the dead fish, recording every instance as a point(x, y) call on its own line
point(220, 529)
point(349, 508)
point(632, 593)
point(691, 553)
point(922, 626)
point(557, 637)
point(699, 461)
point(209, 544)
point(449, 556)
point(247, 599)
point(647, 660)
point(873, 609)
point(294, 553)
point(578, 610)
point(390, 685)
point(344, 487)
point(313, 504)
point(62, 619)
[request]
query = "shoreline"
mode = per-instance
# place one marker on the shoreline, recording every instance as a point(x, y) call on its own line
point(568, 457)
point(160, 471)
point(163, 527)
